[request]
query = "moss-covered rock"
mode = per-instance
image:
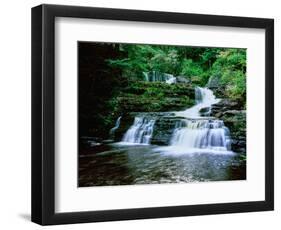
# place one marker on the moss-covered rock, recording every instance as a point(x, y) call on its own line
point(136, 96)
point(155, 96)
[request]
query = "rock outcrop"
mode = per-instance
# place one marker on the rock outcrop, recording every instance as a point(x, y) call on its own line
point(183, 79)
point(235, 119)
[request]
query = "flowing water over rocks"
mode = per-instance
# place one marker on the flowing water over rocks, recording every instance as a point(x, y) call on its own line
point(117, 124)
point(166, 147)
point(161, 77)
point(192, 128)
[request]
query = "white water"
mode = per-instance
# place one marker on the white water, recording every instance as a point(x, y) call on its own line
point(161, 77)
point(202, 134)
point(171, 79)
point(117, 124)
point(195, 132)
point(204, 99)
point(140, 132)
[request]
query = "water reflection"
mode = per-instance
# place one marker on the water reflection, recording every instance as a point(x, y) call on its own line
point(146, 164)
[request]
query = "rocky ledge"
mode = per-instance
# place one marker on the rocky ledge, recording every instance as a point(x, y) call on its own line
point(235, 119)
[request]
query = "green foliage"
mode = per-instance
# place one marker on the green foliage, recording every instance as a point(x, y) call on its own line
point(190, 68)
point(196, 64)
point(230, 66)
point(209, 56)
point(165, 61)
point(142, 96)
point(115, 80)
point(143, 58)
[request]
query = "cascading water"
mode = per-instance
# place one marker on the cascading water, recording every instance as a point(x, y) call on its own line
point(194, 131)
point(117, 124)
point(171, 79)
point(141, 131)
point(154, 76)
point(200, 132)
point(204, 99)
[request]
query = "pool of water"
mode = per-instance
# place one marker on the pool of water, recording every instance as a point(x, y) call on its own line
point(121, 164)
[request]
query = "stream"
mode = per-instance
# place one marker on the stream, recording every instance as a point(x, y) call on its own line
point(197, 148)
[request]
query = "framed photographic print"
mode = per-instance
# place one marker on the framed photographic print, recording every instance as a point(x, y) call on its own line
point(142, 114)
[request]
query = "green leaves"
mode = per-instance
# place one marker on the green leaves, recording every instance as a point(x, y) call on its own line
point(231, 67)
point(154, 97)
point(144, 58)
point(195, 63)
point(190, 68)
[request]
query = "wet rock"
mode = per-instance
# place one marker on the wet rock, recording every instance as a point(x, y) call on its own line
point(213, 83)
point(234, 117)
point(107, 141)
point(205, 111)
point(125, 123)
point(90, 141)
point(235, 120)
point(163, 130)
point(183, 79)
point(233, 112)
point(225, 105)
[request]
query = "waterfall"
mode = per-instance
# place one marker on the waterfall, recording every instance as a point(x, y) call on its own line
point(204, 99)
point(170, 79)
point(196, 131)
point(202, 134)
point(154, 76)
point(141, 131)
point(117, 124)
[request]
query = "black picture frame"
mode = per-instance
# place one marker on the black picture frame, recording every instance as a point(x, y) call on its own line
point(43, 110)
